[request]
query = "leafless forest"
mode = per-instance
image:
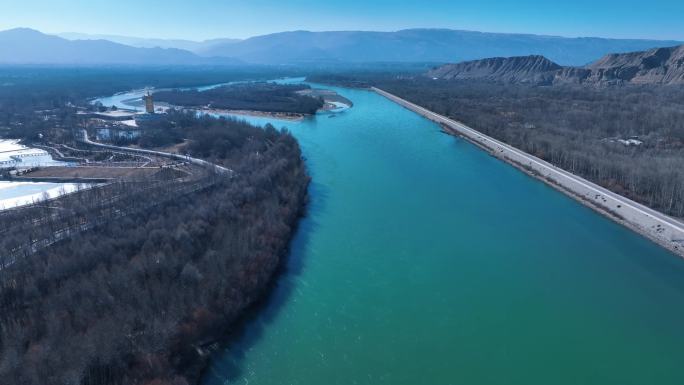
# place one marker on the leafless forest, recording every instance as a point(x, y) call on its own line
point(151, 272)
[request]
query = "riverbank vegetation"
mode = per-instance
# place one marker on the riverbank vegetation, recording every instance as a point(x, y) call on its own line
point(628, 139)
point(251, 96)
point(135, 300)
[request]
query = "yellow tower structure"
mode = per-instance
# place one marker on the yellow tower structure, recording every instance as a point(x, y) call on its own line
point(149, 103)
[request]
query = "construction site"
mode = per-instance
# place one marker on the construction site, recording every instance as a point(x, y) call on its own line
point(86, 161)
point(113, 181)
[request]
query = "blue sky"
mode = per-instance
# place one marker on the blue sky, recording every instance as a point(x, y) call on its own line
point(203, 19)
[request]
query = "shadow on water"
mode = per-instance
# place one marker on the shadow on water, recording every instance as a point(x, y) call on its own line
point(225, 366)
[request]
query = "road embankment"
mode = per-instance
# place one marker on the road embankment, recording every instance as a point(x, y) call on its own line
point(186, 158)
point(660, 228)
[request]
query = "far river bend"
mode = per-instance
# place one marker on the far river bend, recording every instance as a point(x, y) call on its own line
point(423, 260)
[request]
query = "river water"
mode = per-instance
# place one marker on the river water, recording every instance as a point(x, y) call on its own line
point(423, 260)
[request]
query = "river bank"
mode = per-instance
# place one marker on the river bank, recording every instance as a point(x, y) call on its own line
point(666, 231)
point(290, 116)
point(333, 102)
point(422, 259)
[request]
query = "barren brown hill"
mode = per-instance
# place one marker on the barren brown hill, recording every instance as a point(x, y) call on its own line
point(656, 66)
point(519, 69)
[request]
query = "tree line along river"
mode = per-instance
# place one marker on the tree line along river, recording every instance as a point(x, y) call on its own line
point(423, 260)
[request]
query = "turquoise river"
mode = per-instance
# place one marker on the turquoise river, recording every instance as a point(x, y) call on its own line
point(423, 260)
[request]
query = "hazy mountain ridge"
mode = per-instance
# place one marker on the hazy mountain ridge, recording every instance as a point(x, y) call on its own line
point(23, 46)
point(655, 66)
point(421, 45)
point(141, 42)
point(27, 46)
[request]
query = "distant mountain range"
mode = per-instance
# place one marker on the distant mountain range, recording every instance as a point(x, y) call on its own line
point(141, 42)
point(655, 66)
point(420, 45)
point(27, 46)
point(302, 47)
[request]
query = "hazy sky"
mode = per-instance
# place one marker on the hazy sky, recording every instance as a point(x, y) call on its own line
point(202, 19)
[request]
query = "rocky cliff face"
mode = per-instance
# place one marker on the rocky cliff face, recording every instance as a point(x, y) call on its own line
point(656, 66)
